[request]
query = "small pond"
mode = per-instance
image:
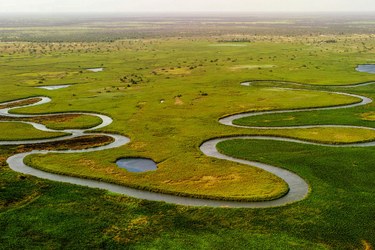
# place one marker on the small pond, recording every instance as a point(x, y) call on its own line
point(368, 68)
point(136, 165)
point(95, 69)
point(245, 83)
point(53, 87)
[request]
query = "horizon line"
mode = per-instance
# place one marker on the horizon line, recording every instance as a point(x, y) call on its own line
point(185, 12)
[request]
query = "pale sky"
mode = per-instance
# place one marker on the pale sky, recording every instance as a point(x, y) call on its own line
point(49, 6)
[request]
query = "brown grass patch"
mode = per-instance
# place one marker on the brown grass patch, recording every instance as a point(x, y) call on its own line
point(41, 119)
point(131, 233)
point(249, 67)
point(173, 71)
point(205, 181)
point(20, 103)
point(83, 142)
point(178, 101)
point(366, 245)
point(370, 116)
point(138, 145)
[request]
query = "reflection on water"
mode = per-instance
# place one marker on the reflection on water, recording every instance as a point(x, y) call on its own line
point(368, 68)
point(136, 165)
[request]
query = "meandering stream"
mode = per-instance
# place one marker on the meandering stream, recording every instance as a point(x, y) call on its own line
point(298, 188)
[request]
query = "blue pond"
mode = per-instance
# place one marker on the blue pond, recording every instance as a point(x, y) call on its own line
point(136, 165)
point(368, 68)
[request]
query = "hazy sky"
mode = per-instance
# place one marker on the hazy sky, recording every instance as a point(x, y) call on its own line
point(183, 5)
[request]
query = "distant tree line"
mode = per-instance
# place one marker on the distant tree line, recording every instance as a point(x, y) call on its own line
point(235, 40)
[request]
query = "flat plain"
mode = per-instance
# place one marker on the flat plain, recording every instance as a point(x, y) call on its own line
point(166, 90)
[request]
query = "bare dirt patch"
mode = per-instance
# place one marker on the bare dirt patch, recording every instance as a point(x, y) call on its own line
point(178, 101)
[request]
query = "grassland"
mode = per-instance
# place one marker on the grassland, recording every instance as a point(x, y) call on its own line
point(50, 215)
point(167, 95)
point(50, 28)
point(340, 182)
point(11, 131)
point(60, 122)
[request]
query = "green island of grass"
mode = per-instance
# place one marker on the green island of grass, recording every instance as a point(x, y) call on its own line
point(13, 131)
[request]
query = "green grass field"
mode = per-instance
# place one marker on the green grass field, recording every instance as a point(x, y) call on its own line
point(167, 96)
point(12, 131)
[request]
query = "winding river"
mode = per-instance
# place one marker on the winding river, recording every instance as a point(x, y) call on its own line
point(298, 188)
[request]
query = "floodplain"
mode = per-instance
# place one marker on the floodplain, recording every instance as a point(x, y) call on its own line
point(167, 88)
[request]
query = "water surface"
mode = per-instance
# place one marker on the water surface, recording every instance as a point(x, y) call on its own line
point(136, 165)
point(95, 69)
point(53, 87)
point(367, 68)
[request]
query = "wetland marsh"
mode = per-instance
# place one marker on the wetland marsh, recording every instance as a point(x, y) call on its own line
point(292, 102)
